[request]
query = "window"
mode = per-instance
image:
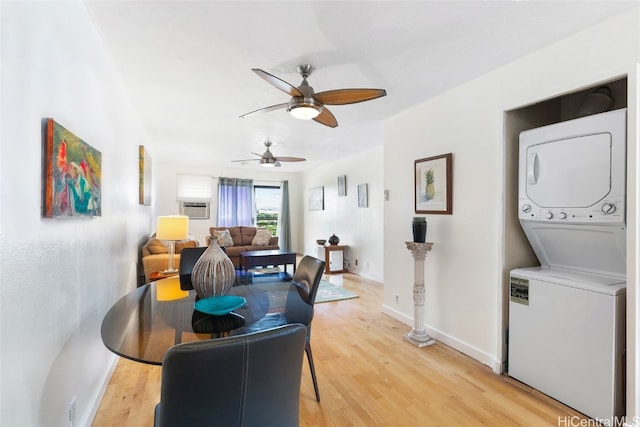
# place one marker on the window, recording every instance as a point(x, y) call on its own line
point(267, 201)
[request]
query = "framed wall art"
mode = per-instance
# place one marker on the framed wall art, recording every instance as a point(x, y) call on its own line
point(363, 195)
point(316, 199)
point(72, 174)
point(433, 185)
point(342, 185)
point(145, 176)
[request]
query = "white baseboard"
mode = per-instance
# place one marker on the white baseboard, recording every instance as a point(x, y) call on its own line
point(101, 391)
point(496, 365)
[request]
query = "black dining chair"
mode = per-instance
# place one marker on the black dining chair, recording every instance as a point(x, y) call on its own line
point(306, 280)
point(245, 380)
point(298, 307)
point(188, 258)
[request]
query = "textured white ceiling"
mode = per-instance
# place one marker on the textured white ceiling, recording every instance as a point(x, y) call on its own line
point(187, 64)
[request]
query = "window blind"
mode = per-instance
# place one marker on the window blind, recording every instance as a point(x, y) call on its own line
point(194, 188)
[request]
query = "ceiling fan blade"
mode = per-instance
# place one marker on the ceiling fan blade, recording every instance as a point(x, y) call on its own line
point(349, 96)
point(246, 160)
point(278, 83)
point(266, 109)
point(290, 159)
point(326, 118)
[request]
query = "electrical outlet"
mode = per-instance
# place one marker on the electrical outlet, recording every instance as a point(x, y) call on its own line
point(356, 262)
point(397, 299)
point(72, 412)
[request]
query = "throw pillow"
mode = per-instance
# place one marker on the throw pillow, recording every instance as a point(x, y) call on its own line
point(155, 246)
point(186, 244)
point(223, 237)
point(261, 238)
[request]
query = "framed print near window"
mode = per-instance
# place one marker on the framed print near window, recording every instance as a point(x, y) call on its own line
point(363, 195)
point(433, 185)
point(316, 199)
point(342, 185)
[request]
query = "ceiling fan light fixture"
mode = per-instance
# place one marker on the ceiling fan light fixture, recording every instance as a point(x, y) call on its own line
point(304, 108)
point(268, 162)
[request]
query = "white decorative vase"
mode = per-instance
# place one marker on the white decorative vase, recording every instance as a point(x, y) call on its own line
point(213, 274)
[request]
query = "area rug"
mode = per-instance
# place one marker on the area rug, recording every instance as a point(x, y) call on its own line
point(330, 292)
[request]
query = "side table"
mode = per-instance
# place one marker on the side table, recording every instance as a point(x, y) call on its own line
point(333, 257)
point(157, 275)
point(418, 336)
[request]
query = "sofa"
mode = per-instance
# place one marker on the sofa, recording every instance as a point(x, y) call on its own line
point(242, 239)
point(155, 254)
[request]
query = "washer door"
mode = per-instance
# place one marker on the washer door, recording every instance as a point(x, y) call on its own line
point(569, 173)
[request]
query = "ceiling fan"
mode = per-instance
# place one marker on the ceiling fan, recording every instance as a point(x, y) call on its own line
point(305, 104)
point(269, 160)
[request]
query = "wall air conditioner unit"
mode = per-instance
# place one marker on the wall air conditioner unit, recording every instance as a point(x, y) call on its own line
point(195, 210)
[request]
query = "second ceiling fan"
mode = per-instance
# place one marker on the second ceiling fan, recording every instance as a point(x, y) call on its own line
point(269, 160)
point(305, 104)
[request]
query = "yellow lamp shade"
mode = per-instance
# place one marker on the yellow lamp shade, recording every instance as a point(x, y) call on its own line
point(174, 227)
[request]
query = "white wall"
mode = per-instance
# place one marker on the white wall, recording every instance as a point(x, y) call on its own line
point(199, 228)
point(59, 276)
point(464, 283)
point(361, 229)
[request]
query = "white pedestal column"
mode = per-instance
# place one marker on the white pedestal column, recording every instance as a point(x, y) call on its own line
point(418, 336)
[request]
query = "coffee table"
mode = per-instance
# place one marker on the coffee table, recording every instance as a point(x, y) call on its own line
point(248, 277)
point(252, 259)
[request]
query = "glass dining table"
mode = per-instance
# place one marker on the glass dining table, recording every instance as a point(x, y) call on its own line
point(146, 322)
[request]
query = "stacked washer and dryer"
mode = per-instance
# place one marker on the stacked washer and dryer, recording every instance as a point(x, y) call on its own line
point(566, 318)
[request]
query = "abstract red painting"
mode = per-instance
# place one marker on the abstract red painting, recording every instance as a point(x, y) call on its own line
point(72, 174)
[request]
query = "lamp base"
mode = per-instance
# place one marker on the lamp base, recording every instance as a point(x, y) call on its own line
point(171, 268)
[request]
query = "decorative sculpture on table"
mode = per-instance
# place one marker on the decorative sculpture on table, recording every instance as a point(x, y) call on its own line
point(213, 274)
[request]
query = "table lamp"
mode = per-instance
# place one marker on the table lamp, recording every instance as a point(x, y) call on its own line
point(172, 228)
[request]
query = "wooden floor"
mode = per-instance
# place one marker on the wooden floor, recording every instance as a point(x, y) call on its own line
point(368, 375)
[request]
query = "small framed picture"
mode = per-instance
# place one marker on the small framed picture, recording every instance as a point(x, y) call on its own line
point(316, 199)
point(144, 184)
point(342, 185)
point(433, 185)
point(363, 195)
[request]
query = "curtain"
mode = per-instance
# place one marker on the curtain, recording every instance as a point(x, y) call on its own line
point(235, 202)
point(284, 219)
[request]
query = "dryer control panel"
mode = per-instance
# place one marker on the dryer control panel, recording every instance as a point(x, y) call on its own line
point(608, 211)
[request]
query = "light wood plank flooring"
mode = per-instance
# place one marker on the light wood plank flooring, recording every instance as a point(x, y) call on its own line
point(368, 376)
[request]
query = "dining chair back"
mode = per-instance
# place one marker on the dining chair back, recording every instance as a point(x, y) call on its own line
point(244, 380)
point(188, 258)
point(300, 309)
